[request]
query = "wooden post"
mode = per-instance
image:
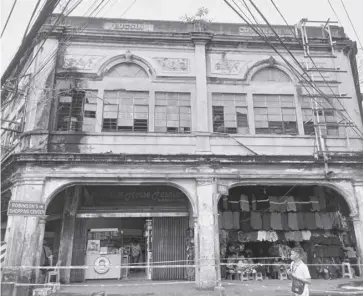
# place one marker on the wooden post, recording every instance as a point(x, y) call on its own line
point(71, 204)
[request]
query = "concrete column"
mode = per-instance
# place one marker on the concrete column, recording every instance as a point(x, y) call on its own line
point(22, 237)
point(200, 40)
point(206, 220)
point(38, 254)
point(358, 219)
point(67, 233)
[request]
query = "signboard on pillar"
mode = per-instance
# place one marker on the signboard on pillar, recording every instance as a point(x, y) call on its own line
point(26, 208)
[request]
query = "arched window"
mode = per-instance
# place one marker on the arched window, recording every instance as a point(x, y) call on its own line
point(127, 70)
point(274, 113)
point(270, 74)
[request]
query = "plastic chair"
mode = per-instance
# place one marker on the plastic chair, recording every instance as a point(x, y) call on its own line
point(259, 276)
point(54, 273)
point(346, 270)
point(282, 276)
point(244, 277)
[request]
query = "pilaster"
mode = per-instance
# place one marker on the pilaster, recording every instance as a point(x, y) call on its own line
point(358, 218)
point(206, 222)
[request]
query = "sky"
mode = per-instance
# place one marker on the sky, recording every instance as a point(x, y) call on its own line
point(219, 11)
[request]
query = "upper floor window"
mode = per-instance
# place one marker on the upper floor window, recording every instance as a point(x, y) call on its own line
point(172, 112)
point(230, 113)
point(125, 111)
point(270, 74)
point(77, 110)
point(127, 70)
point(275, 114)
point(319, 112)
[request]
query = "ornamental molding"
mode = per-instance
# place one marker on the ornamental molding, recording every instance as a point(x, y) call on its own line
point(173, 64)
point(227, 67)
point(80, 61)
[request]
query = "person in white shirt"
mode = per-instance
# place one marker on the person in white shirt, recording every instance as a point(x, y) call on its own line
point(299, 272)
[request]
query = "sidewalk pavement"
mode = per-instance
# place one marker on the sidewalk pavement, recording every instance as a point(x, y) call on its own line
point(228, 288)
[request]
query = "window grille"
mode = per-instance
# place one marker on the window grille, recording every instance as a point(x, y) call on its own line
point(230, 113)
point(125, 111)
point(77, 111)
point(172, 112)
point(275, 114)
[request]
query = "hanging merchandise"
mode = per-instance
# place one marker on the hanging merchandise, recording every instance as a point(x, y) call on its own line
point(234, 205)
point(266, 221)
point(271, 236)
point(289, 236)
point(225, 203)
point(285, 221)
point(236, 219)
point(276, 221)
point(263, 202)
point(309, 220)
point(245, 221)
point(319, 223)
point(274, 207)
point(233, 236)
point(297, 235)
point(343, 220)
point(306, 203)
point(282, 201)
point(292, 221)
point(261, 235)
point(227, 220)
point(291, 205)
point(256, 220)
point(319, 193)
point(306, 234)
point(300, 220)
point(314, 203)
point(247, 237)
point(220, 220)
point(335, 220)
point(326, 220)
point(244, 203)
point(254, 202)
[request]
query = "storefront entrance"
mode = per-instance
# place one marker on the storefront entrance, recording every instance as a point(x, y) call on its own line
point(260, 224)
point(126, 233)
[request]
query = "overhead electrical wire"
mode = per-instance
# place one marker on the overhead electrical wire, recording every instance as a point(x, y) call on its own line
point(351, 23)
point(311, 59)
point(9, 16)
point(310, 82)
point(31, 19)
point(331, 6)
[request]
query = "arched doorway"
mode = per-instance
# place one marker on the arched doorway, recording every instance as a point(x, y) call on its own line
point(260, 224)
point(125, 225)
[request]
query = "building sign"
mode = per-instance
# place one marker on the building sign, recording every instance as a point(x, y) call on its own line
point(282, 32)
point(25, 208)
point(129, 27)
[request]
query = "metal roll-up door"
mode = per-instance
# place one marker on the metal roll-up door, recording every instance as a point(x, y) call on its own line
point(168, 244)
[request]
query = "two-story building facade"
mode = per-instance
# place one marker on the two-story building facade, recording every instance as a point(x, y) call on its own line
point(157, 132)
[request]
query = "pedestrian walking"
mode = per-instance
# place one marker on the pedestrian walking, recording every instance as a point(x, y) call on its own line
point(299, 273)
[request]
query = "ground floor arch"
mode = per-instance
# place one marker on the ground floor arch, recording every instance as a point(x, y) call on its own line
point(90, 224)
point(260, 223)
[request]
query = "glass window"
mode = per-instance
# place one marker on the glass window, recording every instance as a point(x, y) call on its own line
point(230, 113)
point(77, 110)
point(127, 70)
point(125, 111)
point(172, 112)
point(324, 116)
point(275, 114)
point(270, 74)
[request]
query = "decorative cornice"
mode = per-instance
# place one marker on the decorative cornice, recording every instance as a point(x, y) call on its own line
point(189, 159)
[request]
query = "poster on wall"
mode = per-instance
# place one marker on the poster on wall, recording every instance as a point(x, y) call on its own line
point(93, 246)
